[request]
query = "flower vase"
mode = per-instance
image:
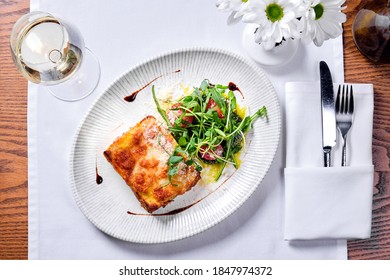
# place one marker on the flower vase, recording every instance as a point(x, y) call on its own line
point(279, 55)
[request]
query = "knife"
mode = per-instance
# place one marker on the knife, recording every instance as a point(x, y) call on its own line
point(327, 113)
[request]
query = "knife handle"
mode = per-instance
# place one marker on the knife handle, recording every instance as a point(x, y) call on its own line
point(327, 158)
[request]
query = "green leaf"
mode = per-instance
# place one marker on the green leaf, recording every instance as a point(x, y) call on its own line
point(204, 84)
point(216, 118)
point(220, 132)
point(192, 149)
point(196, 93)
point(191, 104)
point(187, 99)
point(175, 159)
point(208, 133)
point(173, 171)
point(182, 141)
point(219, 100)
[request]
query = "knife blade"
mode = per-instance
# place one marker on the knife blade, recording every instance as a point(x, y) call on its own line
point(328, 114)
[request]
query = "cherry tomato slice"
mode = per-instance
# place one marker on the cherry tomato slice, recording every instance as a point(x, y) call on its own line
point(212, 104)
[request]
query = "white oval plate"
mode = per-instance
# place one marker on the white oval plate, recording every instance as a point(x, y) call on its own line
point(106, 205)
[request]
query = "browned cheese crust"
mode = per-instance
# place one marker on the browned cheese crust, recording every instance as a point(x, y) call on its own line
point(141, 156)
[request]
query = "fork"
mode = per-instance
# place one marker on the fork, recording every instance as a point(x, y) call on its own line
point(344, 115)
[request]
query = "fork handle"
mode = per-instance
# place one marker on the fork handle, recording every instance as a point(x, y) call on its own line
point(344, 153)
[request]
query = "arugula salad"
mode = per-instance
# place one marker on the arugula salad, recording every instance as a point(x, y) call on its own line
point(207, 127)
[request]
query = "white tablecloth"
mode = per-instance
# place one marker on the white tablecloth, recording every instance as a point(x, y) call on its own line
point(123, 34)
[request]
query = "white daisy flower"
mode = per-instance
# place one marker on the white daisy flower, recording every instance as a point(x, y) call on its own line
point(322, 20)
point(232, 6)
point(277, 20)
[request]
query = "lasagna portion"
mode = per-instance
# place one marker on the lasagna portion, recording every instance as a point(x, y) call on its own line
point(141, 156)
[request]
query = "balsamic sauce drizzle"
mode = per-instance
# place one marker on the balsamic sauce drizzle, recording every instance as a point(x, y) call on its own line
point(233, 87)
point(179, 210)
point(99, 179)
point(133, 96)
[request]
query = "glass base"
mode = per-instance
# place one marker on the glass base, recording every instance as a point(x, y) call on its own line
point(83, 83)
point(276, 57)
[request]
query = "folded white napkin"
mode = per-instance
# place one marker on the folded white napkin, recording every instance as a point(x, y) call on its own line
point(327, 202)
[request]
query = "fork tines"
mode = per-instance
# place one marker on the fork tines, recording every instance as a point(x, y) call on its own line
point(344, 100)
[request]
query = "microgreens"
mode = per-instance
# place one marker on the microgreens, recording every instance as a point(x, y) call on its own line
point(209, 133)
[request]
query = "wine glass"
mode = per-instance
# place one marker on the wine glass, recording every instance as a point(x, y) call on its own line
point(371, 31)
point(51, 52)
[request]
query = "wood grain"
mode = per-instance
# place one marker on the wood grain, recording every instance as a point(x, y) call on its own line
point(13, 141)
point(360, 69)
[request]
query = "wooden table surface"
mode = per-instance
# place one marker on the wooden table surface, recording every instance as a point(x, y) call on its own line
point(13, 140)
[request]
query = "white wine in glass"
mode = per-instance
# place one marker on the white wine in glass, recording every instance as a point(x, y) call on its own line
point(51, 52)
